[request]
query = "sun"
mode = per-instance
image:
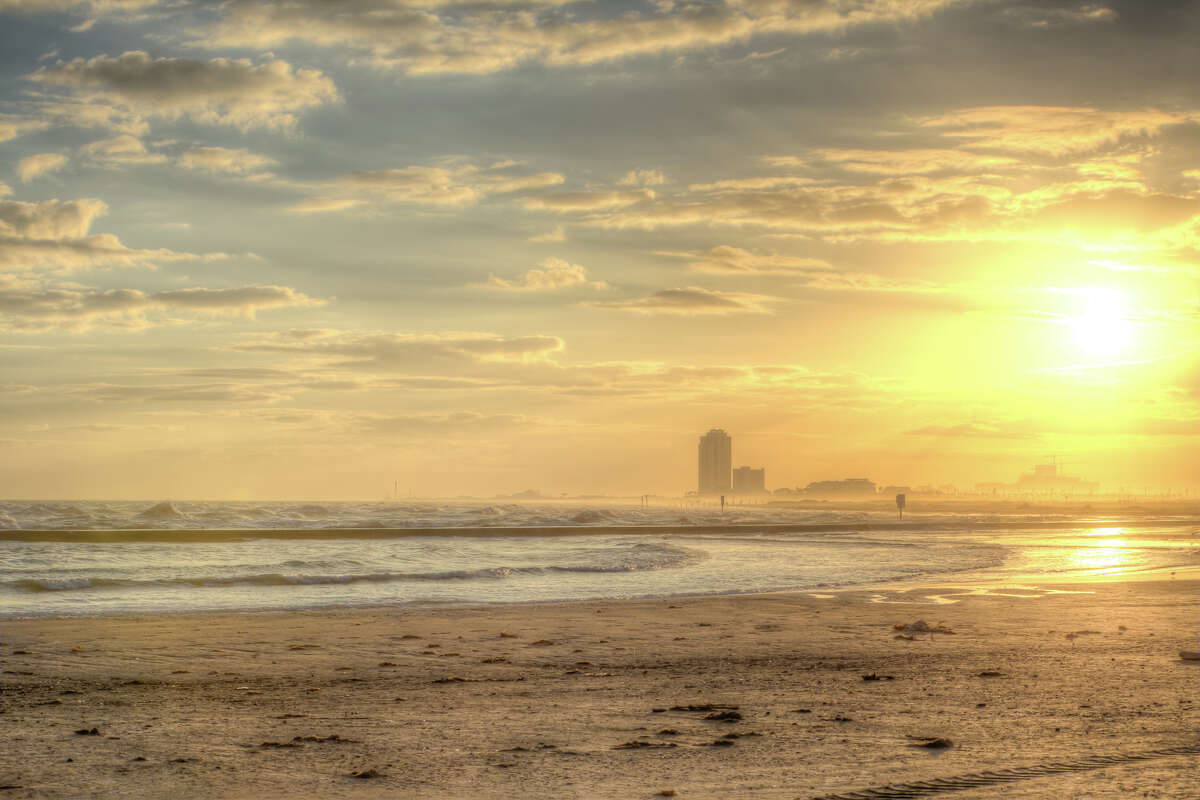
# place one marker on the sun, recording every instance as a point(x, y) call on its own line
point(1102, 326)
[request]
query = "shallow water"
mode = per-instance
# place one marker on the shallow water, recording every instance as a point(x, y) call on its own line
point(249, 572)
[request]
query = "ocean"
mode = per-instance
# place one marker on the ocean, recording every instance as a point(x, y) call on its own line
point(90, 558)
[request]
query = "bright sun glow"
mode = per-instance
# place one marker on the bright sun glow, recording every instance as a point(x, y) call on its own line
point(1101, 327)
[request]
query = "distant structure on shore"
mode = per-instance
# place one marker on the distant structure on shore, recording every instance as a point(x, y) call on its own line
point(716, 462)
point(747, 480)
point(1044, 480)
point(849, 487)
point(716, 473)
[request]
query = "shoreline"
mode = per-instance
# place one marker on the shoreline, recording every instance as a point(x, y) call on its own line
point(202, 535)
point(574, 699)
point(979, 584)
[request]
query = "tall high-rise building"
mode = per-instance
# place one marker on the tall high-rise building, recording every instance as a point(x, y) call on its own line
point(716, 461)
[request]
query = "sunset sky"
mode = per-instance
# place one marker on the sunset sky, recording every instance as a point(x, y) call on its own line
point(304, 249)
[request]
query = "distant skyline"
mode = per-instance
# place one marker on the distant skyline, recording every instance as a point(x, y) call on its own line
point(304, 250)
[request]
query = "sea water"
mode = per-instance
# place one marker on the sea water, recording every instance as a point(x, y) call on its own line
point(166, 563)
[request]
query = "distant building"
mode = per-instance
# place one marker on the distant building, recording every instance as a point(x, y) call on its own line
point(850, 487)
point(747, 480)
point(716, 462)
point(1044, 480)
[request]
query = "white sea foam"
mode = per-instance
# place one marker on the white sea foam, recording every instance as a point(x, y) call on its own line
point(174, 558)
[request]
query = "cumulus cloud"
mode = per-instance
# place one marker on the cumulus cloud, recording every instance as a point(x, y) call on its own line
point(225, 160)
point(553, 273)
point(643, 177)
point(11, 127)
point(455, 183)
point(121, 150)
point(222, 91)
point(49, 219)
point(36, 309)
point(33, 167)
point(53, 235)
point(436, 37)
point(694, 300)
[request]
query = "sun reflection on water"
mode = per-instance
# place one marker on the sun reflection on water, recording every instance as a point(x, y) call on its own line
point(1108, 557)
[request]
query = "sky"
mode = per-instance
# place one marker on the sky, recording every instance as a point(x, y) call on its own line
point(314, 250)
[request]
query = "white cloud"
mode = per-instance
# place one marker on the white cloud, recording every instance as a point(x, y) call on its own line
point(643, 177)
point(455, 183)
point(694, 300)
point(728, 260)
point(54, 235)
point(393, 351)
point(554, 273)
point(441, 37)
point(11, 127)
point(222, 91)
point(33, 167)
point(567, 202)
point(121, 150)
point(225, 160)
point(70, 308)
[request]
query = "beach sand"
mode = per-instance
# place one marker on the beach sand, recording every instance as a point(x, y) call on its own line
point(537, 701)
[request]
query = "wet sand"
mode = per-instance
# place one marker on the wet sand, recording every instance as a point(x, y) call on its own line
point(811, 696)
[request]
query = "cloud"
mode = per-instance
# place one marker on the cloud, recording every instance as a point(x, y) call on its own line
point(95, 6)
point(180, 393)
point(53, 235)
point(1049, 130)
point(1078, 181)
point(11, 127)
point(33, 167)
point(643, 177)
point(24, 309)
point(973, 430)
point(695, 300)
point(221, 91)
point(567, 202)
point(916, 161)
point(456, 183)
point(49, 219)
point(728, 260)
point(437, 425)
point(225, 160)
point(121, 150)
point(442, 37)
point(559, 234)
point(554, 274)
point(391, 351)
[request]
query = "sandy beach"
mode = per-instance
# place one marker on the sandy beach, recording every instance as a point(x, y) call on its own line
point(765, 696)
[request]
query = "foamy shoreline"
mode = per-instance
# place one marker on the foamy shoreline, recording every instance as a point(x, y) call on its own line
point(966, 525)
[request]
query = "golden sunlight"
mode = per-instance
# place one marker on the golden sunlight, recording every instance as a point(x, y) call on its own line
point(1102, 327)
